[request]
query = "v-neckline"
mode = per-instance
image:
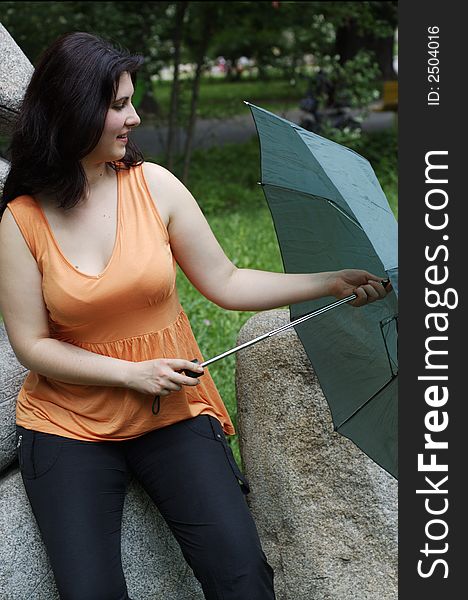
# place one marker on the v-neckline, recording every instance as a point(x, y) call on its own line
point(114, 249)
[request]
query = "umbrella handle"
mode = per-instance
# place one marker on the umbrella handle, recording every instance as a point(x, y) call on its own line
point(187, 372)
point(193, 373)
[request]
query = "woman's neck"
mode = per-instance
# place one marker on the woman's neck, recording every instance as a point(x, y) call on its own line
point(97, 173)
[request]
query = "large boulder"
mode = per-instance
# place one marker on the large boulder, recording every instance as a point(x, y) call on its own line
point(326, 513)
point(15, 73)
point(12, 375)
point(4, 168)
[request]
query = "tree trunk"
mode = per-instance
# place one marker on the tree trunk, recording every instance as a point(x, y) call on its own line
point(262, 72)
point(207, 32)
point(149, 107)
point(347, 44)
point(192, 120)
point(174, 106)
point(383, 48)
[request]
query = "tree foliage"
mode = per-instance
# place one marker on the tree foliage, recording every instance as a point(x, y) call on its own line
point(351, 42)
point(271, 33)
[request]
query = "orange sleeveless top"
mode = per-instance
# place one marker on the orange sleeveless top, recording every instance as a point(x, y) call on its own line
point(129, 311)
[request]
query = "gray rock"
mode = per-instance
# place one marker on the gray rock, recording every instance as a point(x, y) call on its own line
point(15, 73)
point(326, 514)
point(12, 375)
point(4, 168)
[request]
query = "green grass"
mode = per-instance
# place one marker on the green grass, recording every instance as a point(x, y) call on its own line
point(221, 99)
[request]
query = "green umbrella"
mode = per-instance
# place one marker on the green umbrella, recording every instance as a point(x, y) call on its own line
point(330, 213)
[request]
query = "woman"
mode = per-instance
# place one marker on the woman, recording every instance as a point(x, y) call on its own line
point(88, 251)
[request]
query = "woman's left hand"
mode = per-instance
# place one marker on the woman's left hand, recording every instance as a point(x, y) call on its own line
point(367, 287)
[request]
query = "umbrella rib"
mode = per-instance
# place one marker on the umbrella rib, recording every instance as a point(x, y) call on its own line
point(331, 202)
point(344, 213)
point(337, 427)
point(391, 362)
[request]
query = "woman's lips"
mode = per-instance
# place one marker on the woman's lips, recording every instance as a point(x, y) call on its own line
point(123, 139)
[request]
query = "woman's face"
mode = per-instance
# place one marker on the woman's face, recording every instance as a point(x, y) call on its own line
point(120, 118)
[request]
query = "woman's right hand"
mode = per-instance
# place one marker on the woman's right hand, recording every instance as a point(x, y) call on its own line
point(161, 376)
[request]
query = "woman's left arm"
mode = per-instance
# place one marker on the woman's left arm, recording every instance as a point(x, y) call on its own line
point(204, 262)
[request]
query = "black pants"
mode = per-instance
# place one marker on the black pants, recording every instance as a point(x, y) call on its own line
point(77, 488)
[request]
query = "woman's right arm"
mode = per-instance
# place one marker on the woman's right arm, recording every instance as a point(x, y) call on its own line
point(26, 323)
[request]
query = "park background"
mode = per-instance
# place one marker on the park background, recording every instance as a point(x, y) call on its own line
point(202, 60)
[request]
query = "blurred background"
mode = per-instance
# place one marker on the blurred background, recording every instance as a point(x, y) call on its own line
point(331, 67)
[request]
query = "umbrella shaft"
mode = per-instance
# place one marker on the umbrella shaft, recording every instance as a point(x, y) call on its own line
point(297, 321)
point(315, 313)
point(232, 350)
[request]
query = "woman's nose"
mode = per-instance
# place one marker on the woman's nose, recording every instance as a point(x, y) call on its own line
point(133, 120)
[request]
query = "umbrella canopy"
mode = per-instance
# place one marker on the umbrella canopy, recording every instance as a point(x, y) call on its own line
point(330, 213)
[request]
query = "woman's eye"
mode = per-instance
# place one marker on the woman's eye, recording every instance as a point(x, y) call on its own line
point(119, 106)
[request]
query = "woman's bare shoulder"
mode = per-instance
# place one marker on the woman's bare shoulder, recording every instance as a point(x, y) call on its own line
point(8, 228)
point(15, 255)
point(165, 188)
point(14, 249)
point(164, 182)
point(157, 172)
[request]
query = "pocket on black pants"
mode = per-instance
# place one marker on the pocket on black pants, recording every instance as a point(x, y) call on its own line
point(209, 427)
point(37, 451)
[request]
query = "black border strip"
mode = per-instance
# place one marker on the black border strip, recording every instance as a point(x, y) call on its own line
point(423, 128)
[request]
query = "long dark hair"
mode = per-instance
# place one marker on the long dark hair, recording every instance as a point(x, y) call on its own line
point(62, 118)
